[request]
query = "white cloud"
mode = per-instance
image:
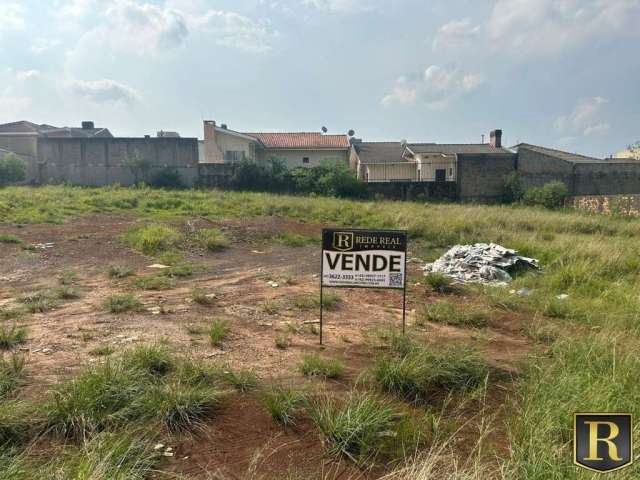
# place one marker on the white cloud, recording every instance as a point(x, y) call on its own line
point(342, 6)
point(404, 93)
point(237, 31)
point(12, 104)
point(550, 26)
point(27, 74)
point(143, 28)
point(11, 16)
point(455, 34)
point(584, 119)
point(41, 44)
point(436, 88)
point(104, 91)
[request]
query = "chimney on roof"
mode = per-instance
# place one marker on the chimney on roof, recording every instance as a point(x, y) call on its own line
point(495, 138)
point(88, 125)
point(209, 130)
point(223, 126)
point(211, 152)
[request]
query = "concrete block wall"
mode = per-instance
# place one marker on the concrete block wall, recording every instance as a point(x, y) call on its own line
point(481, 176)
point(606, 178)
point(535, 169)
point(99, 161)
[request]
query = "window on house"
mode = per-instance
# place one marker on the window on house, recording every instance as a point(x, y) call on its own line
point(305, 159)
point(450, 172)
point(234, 155)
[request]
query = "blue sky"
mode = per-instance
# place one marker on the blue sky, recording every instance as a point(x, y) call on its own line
point(563, 73)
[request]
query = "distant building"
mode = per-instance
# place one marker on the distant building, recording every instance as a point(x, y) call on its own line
point(93, 156)
point(295, 149)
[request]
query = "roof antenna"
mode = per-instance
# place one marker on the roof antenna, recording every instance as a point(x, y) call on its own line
point(482, 138)
point(324, 129)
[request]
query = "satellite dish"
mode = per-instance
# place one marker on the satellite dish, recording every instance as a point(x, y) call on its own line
point(351, 133)
point(324, 129)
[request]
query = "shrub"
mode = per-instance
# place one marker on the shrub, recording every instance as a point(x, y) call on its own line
point(152, 239)
point(11, 336)
point(120, 271)
point(423, 373)
point(123, 303)
point(551, 195)
point(218, 330)
point(314, 366)
point(355, 427)
point(283, 403)
point(212, 239)
point(167, 177)
point(12, 169)
point(270, 176)
point(512, 188)
point(333, 178)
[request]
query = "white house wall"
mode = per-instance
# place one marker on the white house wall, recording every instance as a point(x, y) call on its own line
point(294, 158)
point(389, 172)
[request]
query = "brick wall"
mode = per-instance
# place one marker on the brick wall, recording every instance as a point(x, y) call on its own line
point(99, 161)
point(481, 176)
point(607, 204)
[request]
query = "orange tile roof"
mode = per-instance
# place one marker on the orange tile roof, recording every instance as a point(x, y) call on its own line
point(301, 140)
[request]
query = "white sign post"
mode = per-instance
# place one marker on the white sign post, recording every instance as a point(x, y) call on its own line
point(353, 258)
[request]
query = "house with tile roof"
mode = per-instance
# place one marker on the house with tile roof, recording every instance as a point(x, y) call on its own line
point(295, 149)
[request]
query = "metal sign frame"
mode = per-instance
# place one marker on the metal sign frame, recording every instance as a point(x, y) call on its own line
point(402, 233)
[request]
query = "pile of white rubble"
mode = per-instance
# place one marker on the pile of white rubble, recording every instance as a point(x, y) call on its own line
point(480, 262)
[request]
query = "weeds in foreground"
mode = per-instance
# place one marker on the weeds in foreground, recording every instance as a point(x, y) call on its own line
point(68, 278)
point(218, 331)
point(18, 421)
point(201, 297)
point(454, 314)
point(282, 342)
point(330, 301)
point(243, 380)
point(10, 313)
point(284, 403)
point(10, 238)
point(316, 366)
point(11, 374)
point(439, 282)
point(212, 239)
point(354, 427)
point(125, 302)
point(153, 282)
point(294, 239)
point(39, 301)
point(102, 351)
point(421, 373)
point(120, 271)
point(152, 239)
point(11, 336)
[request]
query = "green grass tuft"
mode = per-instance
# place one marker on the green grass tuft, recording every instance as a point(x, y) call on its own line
point(212, 239)
point(439, 283)
point(458, 315)
point(10, 238)
point(294, 239)
point(120, 271)
point(152, 239)
point(121, 303)
point(11, 336)
point(153, 282)
point(102, 351)
point(218, 331)
point(316, 366)
point(284, 403)
point(423, 373)
point(243, 380)
point(11, 375)
point(355, 427)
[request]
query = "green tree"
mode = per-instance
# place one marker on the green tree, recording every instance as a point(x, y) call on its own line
point(138, 165)
point(551, 195)
point(12, 169)
point(512, 188)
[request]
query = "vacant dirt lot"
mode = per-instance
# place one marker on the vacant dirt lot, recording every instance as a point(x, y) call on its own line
point(260, 287)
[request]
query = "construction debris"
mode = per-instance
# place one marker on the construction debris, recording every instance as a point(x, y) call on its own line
point(479, 263)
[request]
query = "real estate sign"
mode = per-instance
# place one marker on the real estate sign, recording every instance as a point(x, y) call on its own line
point(364, 258)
